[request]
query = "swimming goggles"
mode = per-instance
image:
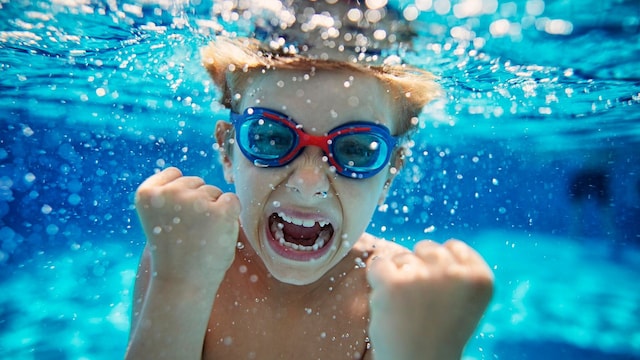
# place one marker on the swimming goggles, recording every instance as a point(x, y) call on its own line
point(356, 150)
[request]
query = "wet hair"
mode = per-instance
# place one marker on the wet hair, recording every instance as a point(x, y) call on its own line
point(233, 63)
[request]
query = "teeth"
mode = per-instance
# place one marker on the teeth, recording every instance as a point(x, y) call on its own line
point(301, 222)
point(323, 237)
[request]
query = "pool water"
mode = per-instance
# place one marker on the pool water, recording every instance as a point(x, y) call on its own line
point(96, 95)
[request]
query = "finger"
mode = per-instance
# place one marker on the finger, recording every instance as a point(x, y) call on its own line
point(379, 270)
point(213, 192)
point(232, 205)
point(163, 177)
point(433, 253)
point(406, 261)
point(460, 251)
point(465, 254)
point(187, 182)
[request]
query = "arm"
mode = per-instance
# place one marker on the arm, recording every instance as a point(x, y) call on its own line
point(426, 304)
point(191, 231)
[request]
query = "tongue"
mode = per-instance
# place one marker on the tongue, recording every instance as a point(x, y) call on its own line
point(301, 235)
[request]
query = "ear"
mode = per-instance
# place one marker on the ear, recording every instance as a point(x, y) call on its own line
point(397, 163)
point(224, 131)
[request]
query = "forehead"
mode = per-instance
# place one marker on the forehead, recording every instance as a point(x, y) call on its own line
point(324, 98)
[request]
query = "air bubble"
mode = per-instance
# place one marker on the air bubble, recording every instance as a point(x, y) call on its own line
point(29, 177)
point(52, 229)
point(228, 340)
point(74, 199)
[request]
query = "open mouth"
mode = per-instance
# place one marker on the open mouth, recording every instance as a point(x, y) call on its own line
point(300, 236)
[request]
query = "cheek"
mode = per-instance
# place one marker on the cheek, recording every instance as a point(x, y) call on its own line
point(254, 185)
point(362, 197)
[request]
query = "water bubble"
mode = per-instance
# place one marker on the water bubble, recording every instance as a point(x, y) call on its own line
point(499, 28)
point(27, 131)
point(373, 15)
point(46, 209)
point(228, 340)
point(29, 177)
point(379, 34)
point(411, 13)
point(354, 15)
point(52, 229)
point(74, 199)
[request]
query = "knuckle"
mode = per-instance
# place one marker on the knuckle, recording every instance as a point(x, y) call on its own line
point(174, 170)
point(145, 192)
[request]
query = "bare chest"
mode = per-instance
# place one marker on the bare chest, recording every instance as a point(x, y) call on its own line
point(246, 327)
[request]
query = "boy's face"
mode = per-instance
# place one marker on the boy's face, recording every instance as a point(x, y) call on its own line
point(276, 200)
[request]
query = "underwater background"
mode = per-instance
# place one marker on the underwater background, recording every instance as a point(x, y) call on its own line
point(97, 95)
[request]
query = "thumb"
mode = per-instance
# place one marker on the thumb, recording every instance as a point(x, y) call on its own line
point(379, 270)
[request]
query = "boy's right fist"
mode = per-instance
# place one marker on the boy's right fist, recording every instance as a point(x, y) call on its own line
point(191, 227)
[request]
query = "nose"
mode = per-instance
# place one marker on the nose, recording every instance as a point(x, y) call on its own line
point(309, 178)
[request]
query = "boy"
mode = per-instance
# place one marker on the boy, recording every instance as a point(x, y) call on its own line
point(283, 268)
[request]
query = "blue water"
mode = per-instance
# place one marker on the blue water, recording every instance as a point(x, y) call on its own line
point(96, 95)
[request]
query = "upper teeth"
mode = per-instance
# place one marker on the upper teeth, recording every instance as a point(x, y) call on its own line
point(301, 222)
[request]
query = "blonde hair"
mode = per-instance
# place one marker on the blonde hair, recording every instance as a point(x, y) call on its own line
point(232, 62)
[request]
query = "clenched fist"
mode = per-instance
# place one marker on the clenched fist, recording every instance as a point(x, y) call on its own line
point(426, 304)
point(191, 227)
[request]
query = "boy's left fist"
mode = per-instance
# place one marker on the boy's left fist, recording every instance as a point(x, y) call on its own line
point(426, 304)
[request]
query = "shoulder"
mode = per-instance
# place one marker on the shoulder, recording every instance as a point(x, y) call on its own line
point(369, 246)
